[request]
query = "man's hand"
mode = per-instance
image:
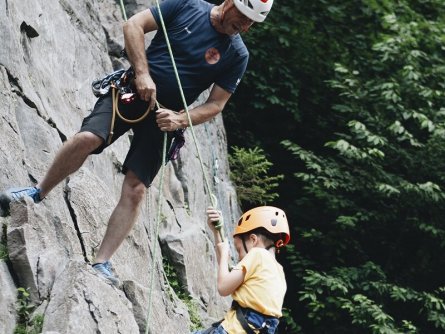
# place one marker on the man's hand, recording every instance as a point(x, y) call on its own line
point(169, 120)
point(146, 89)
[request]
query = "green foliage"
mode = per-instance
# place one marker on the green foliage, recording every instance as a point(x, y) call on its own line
point(250, 171)
point(20, 329)
point(24, 306)
point(355, 290)
point(354, 91)
point(34, 326)
point(288, 323)
point(193, 309)
point(178, 289)
point(37, 322)
point(26, 324)
point(3, 244)
point(376, 191)
point(3, 252)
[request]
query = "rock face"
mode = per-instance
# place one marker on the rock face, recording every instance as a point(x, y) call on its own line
point(51, 51)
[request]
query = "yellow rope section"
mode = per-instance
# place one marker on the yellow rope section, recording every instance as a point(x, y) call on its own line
point(115, 103)
point(116, 110)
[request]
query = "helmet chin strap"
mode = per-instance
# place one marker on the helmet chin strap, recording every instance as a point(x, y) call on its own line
point(244, 244)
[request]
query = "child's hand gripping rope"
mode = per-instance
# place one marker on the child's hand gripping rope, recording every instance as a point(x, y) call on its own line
point(215, 222)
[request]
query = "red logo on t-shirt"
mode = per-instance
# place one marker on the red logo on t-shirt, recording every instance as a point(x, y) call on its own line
point(212, 56)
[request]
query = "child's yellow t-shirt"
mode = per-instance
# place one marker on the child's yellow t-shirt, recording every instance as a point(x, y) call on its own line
point(263, 288)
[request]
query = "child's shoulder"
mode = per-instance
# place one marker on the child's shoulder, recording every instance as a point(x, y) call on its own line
point(261, 250)
point(262, 253)
point(262, 259)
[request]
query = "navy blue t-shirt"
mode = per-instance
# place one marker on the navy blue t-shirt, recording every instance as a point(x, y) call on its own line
point(203, 56)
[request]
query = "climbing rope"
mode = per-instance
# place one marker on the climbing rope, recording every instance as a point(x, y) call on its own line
point(218, 225)
point(124, 13)
point(158, 221)
point(159, 208)
point(213, 200)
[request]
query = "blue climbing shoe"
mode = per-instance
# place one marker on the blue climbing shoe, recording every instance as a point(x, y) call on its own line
point(105, 270)
point(16, 194)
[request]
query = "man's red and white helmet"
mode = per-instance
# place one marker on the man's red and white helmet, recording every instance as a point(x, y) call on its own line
point(256, 10)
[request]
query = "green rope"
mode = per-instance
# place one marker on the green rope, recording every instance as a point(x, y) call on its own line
point(218, 225)
point(158, 221)
point(124, 13)
point(212, 197)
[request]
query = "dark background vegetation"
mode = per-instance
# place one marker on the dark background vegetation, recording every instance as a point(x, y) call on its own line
point(345, 99)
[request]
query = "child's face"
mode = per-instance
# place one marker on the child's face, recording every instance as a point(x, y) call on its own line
point(252, 240)
point(238, 243)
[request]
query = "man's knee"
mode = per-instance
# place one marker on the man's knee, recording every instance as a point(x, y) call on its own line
point(133, 189)
point(87, 141)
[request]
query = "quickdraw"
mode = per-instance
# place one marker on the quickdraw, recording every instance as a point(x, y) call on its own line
point(177, 143)
point(119, 79)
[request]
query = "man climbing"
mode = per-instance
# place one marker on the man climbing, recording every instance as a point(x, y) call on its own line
point(208, 50)
point(257, 283)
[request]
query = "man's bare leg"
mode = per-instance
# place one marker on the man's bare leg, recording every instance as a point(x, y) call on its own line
point(69, 159)
point(123, 217)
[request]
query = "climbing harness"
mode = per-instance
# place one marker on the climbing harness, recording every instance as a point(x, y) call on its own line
point(251, 321)
point(101, 87)
point(212, 329)
point(120, 83)
point(262, 324)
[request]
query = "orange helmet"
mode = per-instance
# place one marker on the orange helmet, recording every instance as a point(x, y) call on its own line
point(271, 218)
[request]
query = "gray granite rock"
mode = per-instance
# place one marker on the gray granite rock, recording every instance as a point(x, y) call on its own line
point(51, 51)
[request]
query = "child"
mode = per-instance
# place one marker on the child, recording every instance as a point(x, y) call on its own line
point(257, 283)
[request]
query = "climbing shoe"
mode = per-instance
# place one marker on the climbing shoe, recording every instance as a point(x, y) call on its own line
point(16, 194)
point(105, 270)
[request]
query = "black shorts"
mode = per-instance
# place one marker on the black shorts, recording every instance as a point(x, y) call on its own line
point(145, 153)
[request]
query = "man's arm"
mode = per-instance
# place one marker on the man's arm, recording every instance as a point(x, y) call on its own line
point(169, 120)
point(134, 30)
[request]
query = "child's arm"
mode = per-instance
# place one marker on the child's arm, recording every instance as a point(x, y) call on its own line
point(228, 281)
